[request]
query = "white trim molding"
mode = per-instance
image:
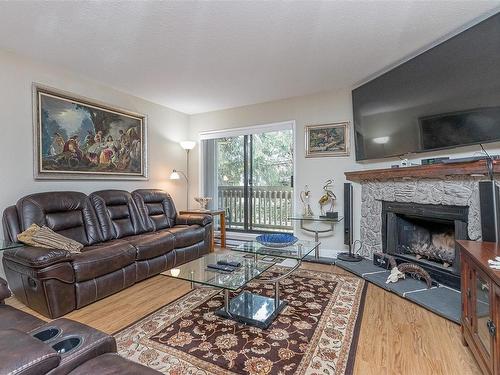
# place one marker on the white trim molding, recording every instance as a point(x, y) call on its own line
point(255, 129)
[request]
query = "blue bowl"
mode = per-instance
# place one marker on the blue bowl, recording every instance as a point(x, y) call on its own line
point(276, 240)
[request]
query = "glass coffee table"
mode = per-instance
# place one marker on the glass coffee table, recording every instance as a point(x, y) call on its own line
point(246, 307)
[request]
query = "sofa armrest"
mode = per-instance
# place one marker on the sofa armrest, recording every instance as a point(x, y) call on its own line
point(37, 257)
point(4, 290)
point(193, 219)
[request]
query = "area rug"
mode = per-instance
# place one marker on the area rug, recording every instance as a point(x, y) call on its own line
point(315, 334)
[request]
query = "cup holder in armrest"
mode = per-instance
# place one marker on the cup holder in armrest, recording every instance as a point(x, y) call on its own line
point(66, 345)
point(47, 334)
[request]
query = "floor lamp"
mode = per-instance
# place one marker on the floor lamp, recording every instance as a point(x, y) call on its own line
point(176, 174)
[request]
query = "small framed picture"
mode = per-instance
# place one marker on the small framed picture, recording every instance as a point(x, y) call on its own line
point(327, 140)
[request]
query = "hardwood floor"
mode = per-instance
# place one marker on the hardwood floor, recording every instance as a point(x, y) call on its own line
point(397, 336)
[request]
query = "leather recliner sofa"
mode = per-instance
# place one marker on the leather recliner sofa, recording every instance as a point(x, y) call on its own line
point(30, 346)
point(127, 238)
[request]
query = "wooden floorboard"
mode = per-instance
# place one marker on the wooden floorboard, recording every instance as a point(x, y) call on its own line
point(396, 337)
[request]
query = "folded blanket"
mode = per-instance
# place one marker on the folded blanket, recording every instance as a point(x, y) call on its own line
point(26, 237)
point(46, 237)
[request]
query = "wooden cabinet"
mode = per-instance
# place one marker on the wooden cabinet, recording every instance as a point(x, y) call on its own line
point(481, 303)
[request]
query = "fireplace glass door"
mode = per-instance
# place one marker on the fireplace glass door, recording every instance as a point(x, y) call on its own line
point(425, 234)
point(429, 240)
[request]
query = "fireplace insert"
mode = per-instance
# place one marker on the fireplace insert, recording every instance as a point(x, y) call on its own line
point(425, 234)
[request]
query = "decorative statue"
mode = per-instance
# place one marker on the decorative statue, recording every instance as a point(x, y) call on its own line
point(328, 198)
point(305, 197)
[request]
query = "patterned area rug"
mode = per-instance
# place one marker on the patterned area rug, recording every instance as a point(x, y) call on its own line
point(315, 334)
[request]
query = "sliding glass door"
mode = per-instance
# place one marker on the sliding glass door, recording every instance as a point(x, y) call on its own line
point(251, 177)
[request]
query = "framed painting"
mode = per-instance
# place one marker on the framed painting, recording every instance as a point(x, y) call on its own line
point(327, 140)
point(77, 138)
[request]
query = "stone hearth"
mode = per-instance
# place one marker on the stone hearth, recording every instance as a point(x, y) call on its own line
point(456, 190)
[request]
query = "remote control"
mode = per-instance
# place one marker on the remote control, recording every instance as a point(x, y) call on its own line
point(220, 267)
point(229, 263)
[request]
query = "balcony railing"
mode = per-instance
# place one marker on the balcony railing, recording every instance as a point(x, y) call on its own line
point(271, 207)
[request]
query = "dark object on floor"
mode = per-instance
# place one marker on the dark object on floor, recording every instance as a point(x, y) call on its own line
point(127, 238)
point(381, 260)
point(416, 271)
point(30, 346)
point(350, 257)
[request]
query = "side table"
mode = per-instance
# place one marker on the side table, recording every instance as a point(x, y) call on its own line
point(222, 215)
point(316, 219)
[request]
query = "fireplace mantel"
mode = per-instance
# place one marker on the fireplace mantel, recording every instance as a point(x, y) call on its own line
point(423, 171)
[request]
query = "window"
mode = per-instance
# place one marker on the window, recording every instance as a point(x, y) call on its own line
point(249, 173)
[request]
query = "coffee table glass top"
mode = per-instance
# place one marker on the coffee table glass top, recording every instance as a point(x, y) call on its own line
point(197, 271)
point(5, 245)
point(297, 251)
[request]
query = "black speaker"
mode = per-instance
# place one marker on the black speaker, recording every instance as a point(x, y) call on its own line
point(348, 219)
point(348, 226)
point(489, 199)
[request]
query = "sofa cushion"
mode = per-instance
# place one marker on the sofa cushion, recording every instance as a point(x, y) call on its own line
point(156, 207)
point(151, 245)
point(186, 235)
point(68, 213)
point(117, 214)
point(22, 354)
point(98, 260)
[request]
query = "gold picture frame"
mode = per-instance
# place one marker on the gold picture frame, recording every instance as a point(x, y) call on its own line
point(327, 140)
point(80, 138)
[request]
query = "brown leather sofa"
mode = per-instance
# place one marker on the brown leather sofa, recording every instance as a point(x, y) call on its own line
point(127, 238)
point(29, 345)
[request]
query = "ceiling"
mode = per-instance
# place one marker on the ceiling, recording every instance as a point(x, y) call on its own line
point(199, 56)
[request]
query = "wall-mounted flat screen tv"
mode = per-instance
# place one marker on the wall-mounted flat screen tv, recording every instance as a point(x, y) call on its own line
point(446, 97)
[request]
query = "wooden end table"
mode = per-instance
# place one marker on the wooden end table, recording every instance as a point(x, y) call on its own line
point(222, 215)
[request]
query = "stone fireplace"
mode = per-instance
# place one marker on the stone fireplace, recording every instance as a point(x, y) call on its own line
point(416, 213)
point(425, 234)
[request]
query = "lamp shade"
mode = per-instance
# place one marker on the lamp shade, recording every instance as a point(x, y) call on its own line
point(175, 175)
point(187, 145)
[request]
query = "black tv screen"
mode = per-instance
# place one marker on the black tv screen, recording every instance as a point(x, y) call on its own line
point(446, 97)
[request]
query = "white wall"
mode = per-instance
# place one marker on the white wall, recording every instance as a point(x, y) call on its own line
point(166, 128)
point(314, 109)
